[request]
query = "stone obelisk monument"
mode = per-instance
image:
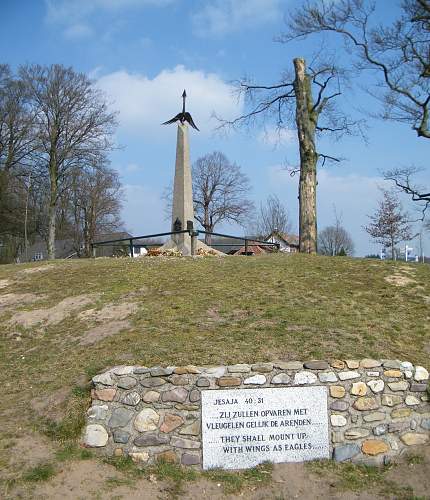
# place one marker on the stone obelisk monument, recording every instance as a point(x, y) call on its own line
point(182, 209)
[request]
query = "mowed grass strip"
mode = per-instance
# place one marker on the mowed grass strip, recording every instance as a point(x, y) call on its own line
point(200, 311)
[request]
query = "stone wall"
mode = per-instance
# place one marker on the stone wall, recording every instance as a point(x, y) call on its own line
point(377, 409)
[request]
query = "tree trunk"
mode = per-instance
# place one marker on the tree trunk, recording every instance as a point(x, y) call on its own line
point(52, 209)
point(207, 226)
point(306, 123)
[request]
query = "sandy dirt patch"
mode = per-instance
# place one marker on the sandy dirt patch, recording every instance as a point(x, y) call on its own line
point(103, 331)
point(9, 300)
point(4, 283)
point(31, 450)
point(109, 312)
point(39, 269)
point(399, 280)
point(51, 406)
point(52, 315)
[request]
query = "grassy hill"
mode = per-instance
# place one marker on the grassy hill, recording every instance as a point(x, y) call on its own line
point(62, 322)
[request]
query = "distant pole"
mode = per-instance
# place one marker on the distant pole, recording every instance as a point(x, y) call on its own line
point(26, 218)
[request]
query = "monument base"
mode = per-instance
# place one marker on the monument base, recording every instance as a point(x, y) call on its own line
point(184, 247)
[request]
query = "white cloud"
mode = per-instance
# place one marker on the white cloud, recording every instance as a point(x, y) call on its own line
point(273, 136)
point(144, 103)
point(74, 15)
point(219, 17)
point(76, 31)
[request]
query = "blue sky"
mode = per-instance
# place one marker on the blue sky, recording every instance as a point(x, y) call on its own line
point(143, 53)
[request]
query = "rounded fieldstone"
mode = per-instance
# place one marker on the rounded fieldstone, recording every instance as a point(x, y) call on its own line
point(126, 382)
point(373, 374)
point(182, 370)
point(352, 364)
point(406, 365)
point(374, 447)
point(131, 399)
point(103, 378)
point(228, 381)
point(398, 386)
point(146, 420)
point(187, 407)
point(414, 438)
point(370, 363)
point(151, 439)
point(398, 426)
point(153, 382)
point(178, 395)
point(304, 378)
point(421, 374)
point(95, 436)
point(190, 459)
point(392, 363)
point(171, 422)
point(179, 380)
point(123, 370)
point(425, 423)
point(292, 365)
point(98, 412)
point(337, 364)
point(192, 429)
point(374, 417)
point(337, 391)
point(203, 382)
point(140, 370)
point(262, 367)
point(255, 380)
point(139, 456)
point(376, 385)
point(401, 413)
point(178, 442)
point(413, 424)
point(393, 373)
point(241, 368)
point(412, 400)
point(159, 371)
point(364, 404)
point(316, 365)
point(103, 394)
point(391, 400)
point(281, 378)
point(415, 387)
point(327, 377)
point(339, 406)
point(120, 436)
point(120, 417)
point(348, 375)
point(195, 396)
point(338, 420)
point(167, 456)
point(151, 396)
point(356, 433)
point(359, 389)
point(380, 429)
point(345, 452)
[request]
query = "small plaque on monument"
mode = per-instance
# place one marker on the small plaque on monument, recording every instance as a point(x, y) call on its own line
point(244, 427)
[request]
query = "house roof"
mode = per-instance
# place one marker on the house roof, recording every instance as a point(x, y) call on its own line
point(289, 239)
point(255, 249)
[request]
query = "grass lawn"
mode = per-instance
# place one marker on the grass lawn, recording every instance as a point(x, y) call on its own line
point(184, 311)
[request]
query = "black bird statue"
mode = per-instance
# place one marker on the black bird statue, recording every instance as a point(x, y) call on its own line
point(184, 116)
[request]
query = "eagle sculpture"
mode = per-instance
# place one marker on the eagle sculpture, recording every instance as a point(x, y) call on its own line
point(184, 116)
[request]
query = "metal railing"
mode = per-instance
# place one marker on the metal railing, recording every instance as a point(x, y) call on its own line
point(193, 234)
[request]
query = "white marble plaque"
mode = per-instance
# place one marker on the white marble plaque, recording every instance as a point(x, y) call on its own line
point(244, 427)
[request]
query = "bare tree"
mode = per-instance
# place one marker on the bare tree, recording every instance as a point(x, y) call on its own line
point(74, 127)
point(291, 103)
point(95, 202)
point(272, 216)
point(220, 192)
point(335, 239)
point(399, 53)
point(389, 225)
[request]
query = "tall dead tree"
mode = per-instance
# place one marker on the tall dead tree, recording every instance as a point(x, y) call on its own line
point(397, 53)
point(292, 103)
point(74, 128)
